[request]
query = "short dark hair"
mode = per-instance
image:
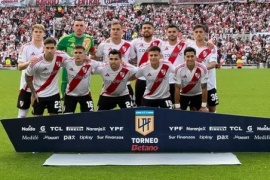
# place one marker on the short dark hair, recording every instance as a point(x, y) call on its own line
point(189, 49)
point(147, 23)
point(114, 52)
point(79, 18)
point(172, 26)
point(49, 40)
point(79, 47)
point(154, 48)
point(200, 26)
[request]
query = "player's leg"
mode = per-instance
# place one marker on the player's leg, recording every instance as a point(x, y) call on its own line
point(212, 100)
point(124, 102)
point(131, 94)
point(106, 103)
point(184, 102)
point(70, 104)
point(139, 91)
point(54, 104)
point(172, 92)
point(39, 107)
point(86, 103)
point(23, 103)
point(165, 103)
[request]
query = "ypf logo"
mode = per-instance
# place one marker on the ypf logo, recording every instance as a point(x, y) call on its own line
point(144, 121)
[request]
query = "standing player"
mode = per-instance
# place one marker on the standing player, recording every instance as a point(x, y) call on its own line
point(79, 74)
point(68, 42)
point(28, 54)
point(156, 72)
point(209, 58)
point(115, 77)
point(42, 79)
point(191, 83)
point(115, 42)
point(172, 51)
point(139, 54)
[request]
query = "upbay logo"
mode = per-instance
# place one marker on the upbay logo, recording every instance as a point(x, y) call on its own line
point(144, 121)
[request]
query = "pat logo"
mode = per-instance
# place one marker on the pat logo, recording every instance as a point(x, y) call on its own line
point(144, 121)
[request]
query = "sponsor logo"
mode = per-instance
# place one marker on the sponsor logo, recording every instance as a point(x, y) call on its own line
point(56, 128)
point(262, 137)
point(95, 129)
point(116, 128)
point(42, 129)
point(185, 137)
point(145, 140)
point(144, 121)
point(74, 128)
point(29, 128)
point(69, 137)
point(30, 138)
point(241, 137)
point(86, 137)
point(176, 128)
point(217, 128)
point(264, 128)
point(235, 128)
point(141, 148)
point(51, 137)
point(205, 137)
point(249, 129)
point(196, 129)
point(222, 137)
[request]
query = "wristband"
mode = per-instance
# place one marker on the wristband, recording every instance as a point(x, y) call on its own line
point(177, 106)
point(204, 104)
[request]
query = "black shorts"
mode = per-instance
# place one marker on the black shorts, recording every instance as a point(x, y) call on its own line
point(172, 87)
point(191, 101)
point(51, 103)
point(70, 103)
point(212, 97)
point(140, 86)
point(107, 103)
point(162, 103)
point(24, 99)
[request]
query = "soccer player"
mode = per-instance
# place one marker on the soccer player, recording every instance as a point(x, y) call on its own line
point(209, 58)
point(172, 51)
point(115, 42)
point(68, 42)
point(115, 76)
point(139, 54)
point(156, 72)
point(42, 79)
point(191, 83)
point(78, 88)
point(28, 54)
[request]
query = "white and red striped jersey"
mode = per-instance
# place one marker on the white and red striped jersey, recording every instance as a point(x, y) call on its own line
point(157, 80)
point(174, 54)
point(115, 82)
point(45, 74)
point(191, 81)
point(27, 51)
point(104, 48)
point(79, 77)
point(139, 50)
point(206, 56)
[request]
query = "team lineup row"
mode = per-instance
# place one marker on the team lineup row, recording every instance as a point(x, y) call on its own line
point(174, 72)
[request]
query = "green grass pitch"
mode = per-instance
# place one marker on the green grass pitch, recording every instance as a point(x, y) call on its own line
point(241, 91)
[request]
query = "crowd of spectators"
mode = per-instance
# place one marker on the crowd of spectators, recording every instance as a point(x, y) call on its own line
point(225, 22)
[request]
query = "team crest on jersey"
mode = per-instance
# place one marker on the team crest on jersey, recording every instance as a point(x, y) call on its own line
point(122, 74)
point(124, 49)
point(21, 103)
point(197, 75)
point(84, 69)
point(163, 71)
point(58, 63)
point(154, 44)
point(179, 46)
point(204, 53)
point(166, 48)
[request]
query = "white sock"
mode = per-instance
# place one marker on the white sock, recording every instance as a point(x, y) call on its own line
point(22, 113)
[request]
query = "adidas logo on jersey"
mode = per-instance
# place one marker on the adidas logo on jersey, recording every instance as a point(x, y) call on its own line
point(107, 75)
point(33, 54)
point(149, 74)
point(184, 76)
point(141, 45)
point(71, 69)
point(166, 48)
point(45, 69)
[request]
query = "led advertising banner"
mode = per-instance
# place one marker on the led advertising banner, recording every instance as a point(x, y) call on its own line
point(139, 130)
